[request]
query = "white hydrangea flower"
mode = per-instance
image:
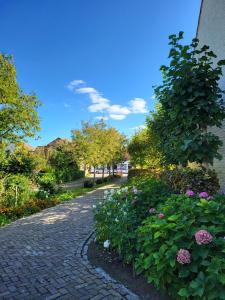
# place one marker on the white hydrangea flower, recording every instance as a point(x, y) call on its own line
point(106, 244)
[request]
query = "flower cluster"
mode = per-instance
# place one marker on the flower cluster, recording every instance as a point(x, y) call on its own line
point(183, 256)
point(203, 195)
point(190, 193)
point(203, 237)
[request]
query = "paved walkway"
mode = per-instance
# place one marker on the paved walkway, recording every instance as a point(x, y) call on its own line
point(40, 256)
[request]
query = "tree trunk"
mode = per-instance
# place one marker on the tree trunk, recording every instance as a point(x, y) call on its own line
point(94, 175)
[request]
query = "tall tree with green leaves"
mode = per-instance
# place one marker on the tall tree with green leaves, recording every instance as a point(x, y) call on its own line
point(143, 150)
point(18, 111)
point(191, 103)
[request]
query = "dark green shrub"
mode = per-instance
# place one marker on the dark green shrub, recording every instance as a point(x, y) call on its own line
point(105, 179)
point(198, 275)
point(99, 181)
point(198, 180)
point(144, 173)
point(47, 182)
point(88, 183)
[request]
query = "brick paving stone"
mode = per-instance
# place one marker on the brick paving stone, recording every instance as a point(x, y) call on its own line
point(41, 255)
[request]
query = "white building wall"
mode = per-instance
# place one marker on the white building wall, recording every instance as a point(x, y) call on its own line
point(211, 32)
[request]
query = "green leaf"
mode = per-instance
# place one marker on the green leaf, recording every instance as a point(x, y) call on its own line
point(183, 292)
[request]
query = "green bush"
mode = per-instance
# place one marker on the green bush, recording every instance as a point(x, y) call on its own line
point(47, 182)
point(198, 179)
point(172, 228)
point(144, 173)
point(88, 183)
point(16, 190)
point(99, 181)
point(123, 211)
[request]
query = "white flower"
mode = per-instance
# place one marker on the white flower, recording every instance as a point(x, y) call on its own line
point(106, 244)
point(116, 220)
point(94, 206)
point(100, 203)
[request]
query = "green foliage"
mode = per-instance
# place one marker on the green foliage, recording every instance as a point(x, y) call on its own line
point(143, 151)
point(15, 190)
point(143, 173)
point(197, 179)
point(191, 101)
point(159, 240)
point(18, 112)
point(122, 212)
point(99, 181)
point(88, 183)
point(63, 161)
point(96, 145)
point(47, 182)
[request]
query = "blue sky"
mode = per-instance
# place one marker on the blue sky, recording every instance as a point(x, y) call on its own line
point(88, 58)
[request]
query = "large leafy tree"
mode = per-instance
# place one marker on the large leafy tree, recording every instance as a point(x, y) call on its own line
point(143, 149)
point(96, 145)
point(191, 102)
point(18, 111)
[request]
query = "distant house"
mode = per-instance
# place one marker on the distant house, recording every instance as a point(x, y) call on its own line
point(44, 150)
point(211, 32)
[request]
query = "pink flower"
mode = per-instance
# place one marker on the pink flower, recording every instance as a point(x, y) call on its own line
point(203, 195)
point(152, 210)
point(161, 215)
point(203, 237)
point(183, 256)
point(190, 193)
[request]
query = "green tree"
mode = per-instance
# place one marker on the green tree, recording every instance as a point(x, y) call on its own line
point(143, 149)
point(64, 163)
point(191, 102)
point(18, 111)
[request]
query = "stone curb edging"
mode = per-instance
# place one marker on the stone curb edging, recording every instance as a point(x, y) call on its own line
point(120, 288)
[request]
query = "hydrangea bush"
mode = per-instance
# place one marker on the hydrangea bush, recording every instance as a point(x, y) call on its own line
point(123, 210)
point(183, 253)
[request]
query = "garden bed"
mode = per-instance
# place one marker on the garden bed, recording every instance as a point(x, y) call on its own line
point(111, 264)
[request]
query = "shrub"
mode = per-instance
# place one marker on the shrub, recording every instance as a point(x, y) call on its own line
point(47, 182)
point(99, 181)
point(42, 194)
point(198, 179)
point(16, 190)
point(144, 173)
point(181, 247)
point(123, 211)
point(105, 179)
point(88, 183)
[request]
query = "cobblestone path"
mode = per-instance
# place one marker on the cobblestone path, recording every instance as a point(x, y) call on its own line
point(41, 255)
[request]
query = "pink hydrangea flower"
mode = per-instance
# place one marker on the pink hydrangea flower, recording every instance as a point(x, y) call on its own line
point(203, 195)
point(161, 215)
point(190, 193)
point(152, 210)
point(183, 256)
point(203, 237)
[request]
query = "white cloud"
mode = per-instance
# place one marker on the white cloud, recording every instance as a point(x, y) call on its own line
point(101, 104)
point(117, 117)
point(102, 118)
point(74, 83)
point(118, 109)
point(66, 105)
point(139, 127)
point(138, 106)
